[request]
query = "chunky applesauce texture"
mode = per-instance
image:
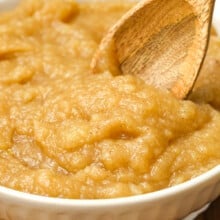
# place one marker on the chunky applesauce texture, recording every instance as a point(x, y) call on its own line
point(65, 132)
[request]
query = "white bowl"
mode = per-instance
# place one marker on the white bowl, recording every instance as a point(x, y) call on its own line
point(171, 203)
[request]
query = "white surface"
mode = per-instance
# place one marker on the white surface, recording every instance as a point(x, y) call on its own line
point(216, 17)
point(168, 204)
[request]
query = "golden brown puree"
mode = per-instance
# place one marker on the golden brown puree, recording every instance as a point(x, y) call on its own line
point(67, 133)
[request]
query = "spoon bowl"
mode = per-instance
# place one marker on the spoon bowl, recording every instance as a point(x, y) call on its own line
point(164, 42)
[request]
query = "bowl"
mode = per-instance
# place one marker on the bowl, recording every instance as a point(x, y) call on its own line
point(171, 203)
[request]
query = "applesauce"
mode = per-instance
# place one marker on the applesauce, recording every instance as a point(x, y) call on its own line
point(67, 133)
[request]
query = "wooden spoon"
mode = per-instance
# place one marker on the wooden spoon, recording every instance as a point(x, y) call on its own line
point(164, 42)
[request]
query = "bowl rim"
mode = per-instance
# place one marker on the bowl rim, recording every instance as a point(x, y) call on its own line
point(213, 173)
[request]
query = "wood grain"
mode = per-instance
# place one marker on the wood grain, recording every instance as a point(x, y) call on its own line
point(161, 41)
